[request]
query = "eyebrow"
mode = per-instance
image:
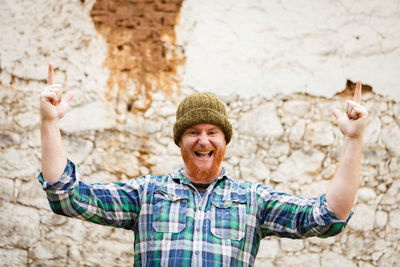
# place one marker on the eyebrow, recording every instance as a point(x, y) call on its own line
point(195, 129)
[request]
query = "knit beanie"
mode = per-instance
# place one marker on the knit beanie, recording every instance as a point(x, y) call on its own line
point(201, 108)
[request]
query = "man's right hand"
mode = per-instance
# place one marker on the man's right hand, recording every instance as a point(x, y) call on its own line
point(53, 105)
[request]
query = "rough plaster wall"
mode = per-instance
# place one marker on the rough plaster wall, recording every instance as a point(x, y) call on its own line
point(318, 44)
point(288, 141)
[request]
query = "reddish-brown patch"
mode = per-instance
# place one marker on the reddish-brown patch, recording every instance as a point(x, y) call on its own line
point(348, 92)
point(142, 56)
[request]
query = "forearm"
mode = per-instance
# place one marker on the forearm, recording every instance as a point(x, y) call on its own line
point(54, 159)
point(343, 188)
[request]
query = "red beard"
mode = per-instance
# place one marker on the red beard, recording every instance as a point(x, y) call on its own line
point(203, 174)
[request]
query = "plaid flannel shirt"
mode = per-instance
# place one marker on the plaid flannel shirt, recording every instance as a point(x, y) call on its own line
point(175, 226)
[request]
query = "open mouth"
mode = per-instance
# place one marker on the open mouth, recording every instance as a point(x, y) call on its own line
point(204, 154)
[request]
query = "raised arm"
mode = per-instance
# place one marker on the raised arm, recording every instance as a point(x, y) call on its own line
point(53, 107)
point(343, 188)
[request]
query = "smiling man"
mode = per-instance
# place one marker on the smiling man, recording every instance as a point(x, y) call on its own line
point(202, 131)
point(199, 215)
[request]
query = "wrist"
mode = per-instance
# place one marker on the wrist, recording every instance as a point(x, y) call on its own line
point(354, 140)
point(49, 122)
point(355, 135)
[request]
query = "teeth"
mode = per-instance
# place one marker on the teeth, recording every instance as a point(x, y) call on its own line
point(203, 153)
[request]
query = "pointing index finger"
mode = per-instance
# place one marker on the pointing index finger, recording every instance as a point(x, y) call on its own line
point(357, 92)
point(50, 75)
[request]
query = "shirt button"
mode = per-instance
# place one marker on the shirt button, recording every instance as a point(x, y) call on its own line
point(198, 229)
point(197, 253)
point(200, 208)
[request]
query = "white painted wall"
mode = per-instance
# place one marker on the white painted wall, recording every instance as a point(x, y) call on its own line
point(269, 47)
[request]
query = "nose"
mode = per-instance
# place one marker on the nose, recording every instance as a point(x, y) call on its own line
point(203, 139)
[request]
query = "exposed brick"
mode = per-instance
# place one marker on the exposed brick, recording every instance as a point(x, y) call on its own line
point(133, 30)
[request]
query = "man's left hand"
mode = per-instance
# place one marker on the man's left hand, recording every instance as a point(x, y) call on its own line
point(352, 123)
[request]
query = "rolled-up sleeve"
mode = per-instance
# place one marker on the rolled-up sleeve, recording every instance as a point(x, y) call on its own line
point(113, 204)
point(325, 216)
point(65, 184)
point(296, 217)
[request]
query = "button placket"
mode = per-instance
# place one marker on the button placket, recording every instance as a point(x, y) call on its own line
point(197, 233)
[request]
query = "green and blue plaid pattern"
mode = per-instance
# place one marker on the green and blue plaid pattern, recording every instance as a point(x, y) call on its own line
point(175, 226)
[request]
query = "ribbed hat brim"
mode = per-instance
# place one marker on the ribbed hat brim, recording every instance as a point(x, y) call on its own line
point(202, 115)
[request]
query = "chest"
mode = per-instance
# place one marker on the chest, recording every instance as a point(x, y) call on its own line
point(220, 213)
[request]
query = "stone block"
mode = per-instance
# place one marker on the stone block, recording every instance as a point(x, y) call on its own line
point(268, 249)
point(28, 120)
point(17, 219)
point(316, 244)
point(164, 164)
point(262, 121)
point(9, 139)
point(278, 149)
point(99, 253)
point(296, 108)
point(303, 259)
point(253, 170)
point(30, 193)
point(366, 194)
point(392, 196)
point(391, 138)
point(363, 218)
point(292, 245)
point(389, 258)
point(6, 189)
point(13, 257)
point(297, 131)
point(77, 149)
point(314, 189)
point(263, 263)
point(320, 133)
point(302, 165)
point(372, 132)
point(330, 259)
point(70, 230)
point(46, 250)
point(394, 219)
point(21, 164)
point(92, 116)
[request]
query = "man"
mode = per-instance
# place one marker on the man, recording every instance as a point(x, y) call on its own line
point(199, 215)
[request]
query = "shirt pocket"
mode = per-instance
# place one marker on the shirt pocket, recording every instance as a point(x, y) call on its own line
point(169, 212)
point(228, 219)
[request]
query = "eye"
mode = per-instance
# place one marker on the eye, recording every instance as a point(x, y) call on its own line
point(191, 132)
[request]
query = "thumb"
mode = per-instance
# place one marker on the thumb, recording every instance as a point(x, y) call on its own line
point(337, 113)
point(68, 97)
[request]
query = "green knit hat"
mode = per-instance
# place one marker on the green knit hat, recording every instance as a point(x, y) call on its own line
point(201, 108)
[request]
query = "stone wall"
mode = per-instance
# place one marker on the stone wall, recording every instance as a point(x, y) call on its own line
point(129, 68)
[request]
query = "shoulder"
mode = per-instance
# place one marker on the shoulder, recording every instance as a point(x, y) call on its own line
point(150, 183)
point(247, 186)
point(149, 179)
point(249, 190)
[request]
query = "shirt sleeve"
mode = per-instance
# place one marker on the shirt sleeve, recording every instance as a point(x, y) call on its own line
point(285, 215)
point(113, 204)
